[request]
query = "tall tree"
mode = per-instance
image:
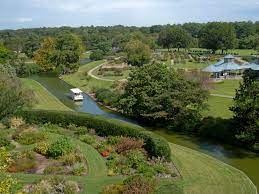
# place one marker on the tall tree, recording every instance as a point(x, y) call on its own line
point(13, 97)
point(218, 35)
point(5, 54)
point(32, 43)
point(68, 49)
point(158, 94)
point(137, 52)
point(174, 37)
point(43, 56)
point(246, 109)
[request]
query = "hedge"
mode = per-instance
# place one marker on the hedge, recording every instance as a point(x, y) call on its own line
point(155, 145)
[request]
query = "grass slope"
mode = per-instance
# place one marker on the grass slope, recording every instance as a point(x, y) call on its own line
point(227, 87)
point(218, 107)
point(44, 99)
point(83, 81)
point(203, 174)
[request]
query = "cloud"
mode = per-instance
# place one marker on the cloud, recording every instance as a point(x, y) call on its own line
point(23, 20)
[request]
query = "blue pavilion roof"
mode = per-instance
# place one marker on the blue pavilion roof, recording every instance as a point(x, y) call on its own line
point(222, 66)
point(253, 66)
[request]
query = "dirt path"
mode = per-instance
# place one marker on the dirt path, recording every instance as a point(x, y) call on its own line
point(223, 96)
point(90, 73)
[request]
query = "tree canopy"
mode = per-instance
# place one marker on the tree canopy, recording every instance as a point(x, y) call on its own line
point(246, 109)
point(218, 35)
point(137, 52)
point(156, 93)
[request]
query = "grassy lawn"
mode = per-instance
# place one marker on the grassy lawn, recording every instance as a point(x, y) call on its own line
point(227, 87)
point(83, 81)
point(191, 65)
point(44, 99)
point(218, 107)
point(203, 174)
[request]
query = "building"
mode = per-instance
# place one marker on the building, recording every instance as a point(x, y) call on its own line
point(223, 68)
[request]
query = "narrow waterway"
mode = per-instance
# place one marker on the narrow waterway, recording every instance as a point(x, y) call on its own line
point(244, 160)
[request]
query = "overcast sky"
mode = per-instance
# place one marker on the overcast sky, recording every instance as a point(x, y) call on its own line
point(38, 13)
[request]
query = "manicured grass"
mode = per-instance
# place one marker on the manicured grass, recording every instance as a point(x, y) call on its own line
point(219, 107)
point(227, 87)
point(190, 65)
point(83, 81)
point(202, 174)
point(43, 98)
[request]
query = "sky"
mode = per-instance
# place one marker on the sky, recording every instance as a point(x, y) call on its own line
point(16, 14)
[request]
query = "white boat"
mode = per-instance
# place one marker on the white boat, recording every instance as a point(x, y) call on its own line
point(76, 94)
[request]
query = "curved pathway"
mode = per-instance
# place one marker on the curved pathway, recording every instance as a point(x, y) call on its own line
point(90, 73)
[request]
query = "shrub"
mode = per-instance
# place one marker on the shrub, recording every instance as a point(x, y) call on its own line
point(41, 148)
point(60, 148)
point(54, 185)
point(106, 96)
point(29, 137)
point(113, 140)
point(135, 158)
point(78, 169)
point(4, 142)
point(72, 158)
point(140, 184)
point(154, 144)
point(97, 55)
point(88, 139)
point(16, 122)
point(56, 170)
point(128, 143)
point(113, 189)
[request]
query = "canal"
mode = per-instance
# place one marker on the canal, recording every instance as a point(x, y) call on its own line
point(244, 160)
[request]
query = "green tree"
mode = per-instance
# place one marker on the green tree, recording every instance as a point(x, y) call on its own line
point(32, 43)
point(218, 35)
point(43, 56)
point(159, 94)
point(174, 37)
point(96, 55)
point(137, 52)
point(246, 109)
point(68, 49)
point(13, 97)
point(5, 54)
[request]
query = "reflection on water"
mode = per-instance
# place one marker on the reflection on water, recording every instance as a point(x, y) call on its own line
point(246, 161)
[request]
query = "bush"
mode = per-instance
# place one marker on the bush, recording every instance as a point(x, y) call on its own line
point(60, 148)
point(97, 55)
point(154, 144)
point(113, 189)
point(140, 184)
point(113, 140)
point(41, 148)
point(72, 158)
point(78, 169)
point(29, 137)
point(55, 170)
point(106, 96)
point(127, 144)
point(4, 142)
point(88, 139)
point(54, 185)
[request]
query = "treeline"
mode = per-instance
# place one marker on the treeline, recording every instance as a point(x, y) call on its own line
point(214, 35)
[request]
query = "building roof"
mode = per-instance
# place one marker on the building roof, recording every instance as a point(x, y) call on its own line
point(222, 66)
point(76, 90)
point(253, 66)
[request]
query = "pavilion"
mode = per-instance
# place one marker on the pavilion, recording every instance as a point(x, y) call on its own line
point(224, 67)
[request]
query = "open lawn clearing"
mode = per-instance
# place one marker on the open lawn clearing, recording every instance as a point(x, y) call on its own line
point(82, 80)
point(190, 65)
point(44, 99)
point(202, 174)
point(219, 107)
point(226, 87)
